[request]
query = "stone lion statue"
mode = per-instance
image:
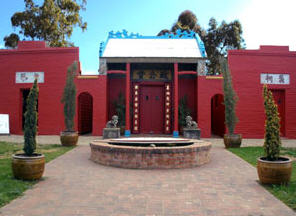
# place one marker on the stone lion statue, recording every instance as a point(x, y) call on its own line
point(113, 122)
point(190, 124)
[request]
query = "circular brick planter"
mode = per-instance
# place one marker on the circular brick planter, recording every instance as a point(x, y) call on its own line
point(148, 157)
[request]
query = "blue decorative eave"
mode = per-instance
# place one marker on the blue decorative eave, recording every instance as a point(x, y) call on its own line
point(201, 46)
point(178, 35)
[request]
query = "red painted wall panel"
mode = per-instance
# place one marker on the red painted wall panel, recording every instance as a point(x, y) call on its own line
point(187, 86)
point(115, 86)
point(207, 87)
point(97, 88)
point(53, 62)
point(31, 57)
point(246, 67)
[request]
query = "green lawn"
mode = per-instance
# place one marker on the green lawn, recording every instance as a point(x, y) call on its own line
point(286, 193)
point(11, 188)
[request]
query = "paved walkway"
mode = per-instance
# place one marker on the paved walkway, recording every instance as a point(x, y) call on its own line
point(75, 186)
point(85, 140)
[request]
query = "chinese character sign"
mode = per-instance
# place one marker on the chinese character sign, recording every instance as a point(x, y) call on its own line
point(29, 77)
point(279, 79)
point(152, 75)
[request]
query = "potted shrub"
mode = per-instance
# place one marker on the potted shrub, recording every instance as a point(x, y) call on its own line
point(29, 165)
point(231, 140)
point(183, 111)
point(119, 105)
point(272, 169)
point(69, 137)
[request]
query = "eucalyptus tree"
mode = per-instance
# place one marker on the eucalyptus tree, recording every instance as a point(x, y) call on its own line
point(53, 22)
point(218, 38)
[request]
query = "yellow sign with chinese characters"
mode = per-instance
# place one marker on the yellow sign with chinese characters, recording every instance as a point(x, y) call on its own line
point(152, 75)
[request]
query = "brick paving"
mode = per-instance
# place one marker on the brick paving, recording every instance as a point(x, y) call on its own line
point(85, 140)
point(74, 185)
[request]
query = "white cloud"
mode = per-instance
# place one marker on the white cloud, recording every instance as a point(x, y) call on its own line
point(269, 22)
point(2, 46)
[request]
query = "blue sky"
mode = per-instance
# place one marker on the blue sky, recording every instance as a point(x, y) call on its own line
point(265, 22)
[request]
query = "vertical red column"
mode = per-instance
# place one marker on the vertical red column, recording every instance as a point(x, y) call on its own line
point(127, 132)
point(176, 101)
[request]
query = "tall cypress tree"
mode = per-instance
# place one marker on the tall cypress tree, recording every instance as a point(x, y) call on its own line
point(230, 97)
point(69, 97)
point(31, 117)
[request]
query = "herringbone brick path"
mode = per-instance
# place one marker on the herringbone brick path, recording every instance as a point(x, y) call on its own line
point(74, 185)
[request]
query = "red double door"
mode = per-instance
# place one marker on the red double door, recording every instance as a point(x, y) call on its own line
point(152, 109)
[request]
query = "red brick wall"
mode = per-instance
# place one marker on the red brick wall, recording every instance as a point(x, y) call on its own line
point(187, 86)
point(246, 67)
point(115, 86)
point(35, 57)
point(97, 88)
point(53, 62)
point(207, 87)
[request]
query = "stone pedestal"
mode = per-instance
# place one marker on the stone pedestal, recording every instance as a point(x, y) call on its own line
point(191, 133)
point(110, 133)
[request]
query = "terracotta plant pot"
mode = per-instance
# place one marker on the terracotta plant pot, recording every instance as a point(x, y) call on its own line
point(274, 172)
point(69, 138)
point(28, 167)
point(232, 140)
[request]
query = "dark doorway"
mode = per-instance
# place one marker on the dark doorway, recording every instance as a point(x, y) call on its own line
point(218, 115)
point(85, 113)
point(151, 110)
point(279, 97)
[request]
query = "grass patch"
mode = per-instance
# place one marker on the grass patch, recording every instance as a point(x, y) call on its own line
point(11, 188)
point(286, 193)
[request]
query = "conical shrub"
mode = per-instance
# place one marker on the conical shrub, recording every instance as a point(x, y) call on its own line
point(272, 141)
point(31, 117)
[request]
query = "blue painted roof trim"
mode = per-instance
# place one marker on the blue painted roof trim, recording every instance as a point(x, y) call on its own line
point(201, 46)
point(179, 35)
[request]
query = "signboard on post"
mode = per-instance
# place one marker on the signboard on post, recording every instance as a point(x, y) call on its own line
point(4, 124)
point(29, 77)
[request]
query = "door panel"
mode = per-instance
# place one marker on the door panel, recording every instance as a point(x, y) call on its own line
point(218, 115)
point(279, 97)
point(151, 109)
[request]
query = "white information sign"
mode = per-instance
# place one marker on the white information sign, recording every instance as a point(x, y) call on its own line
point(278, 79)
point(29, 77)
point(4, 124)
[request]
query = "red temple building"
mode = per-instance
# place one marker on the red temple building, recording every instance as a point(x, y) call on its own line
point(151, 76)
